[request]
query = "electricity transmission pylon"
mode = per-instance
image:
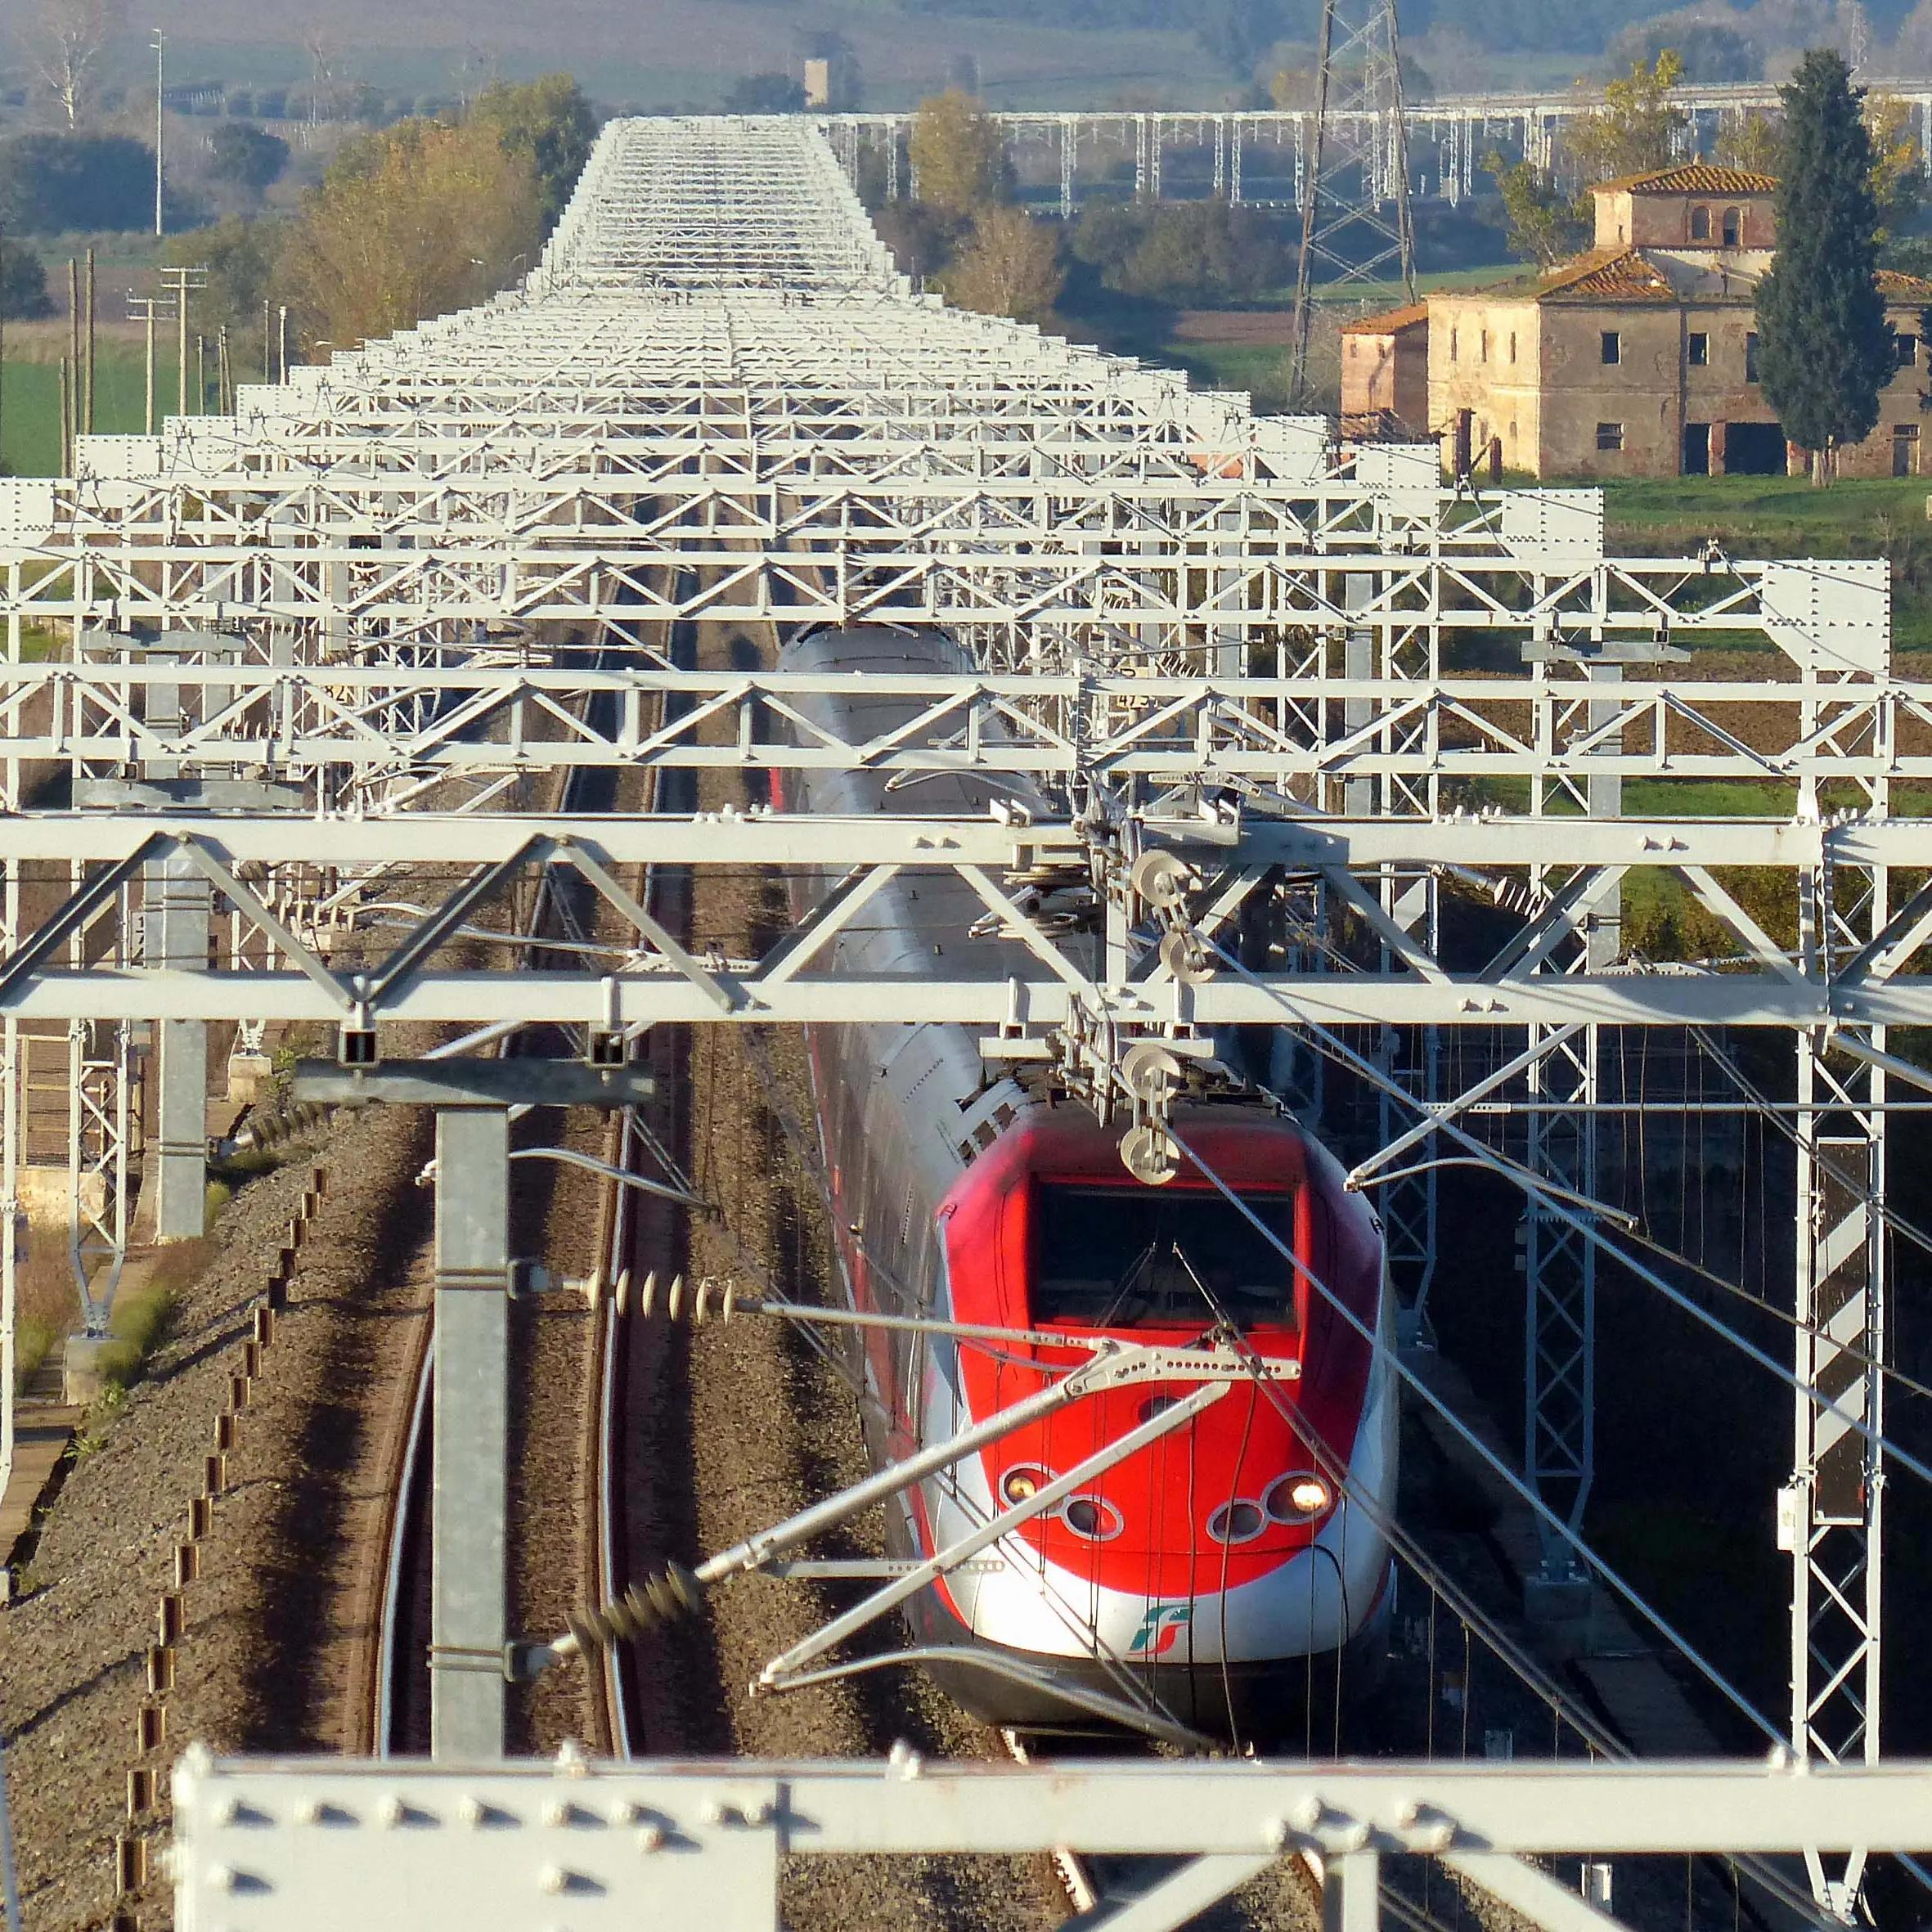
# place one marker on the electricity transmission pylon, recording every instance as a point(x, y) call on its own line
point(1355, 222)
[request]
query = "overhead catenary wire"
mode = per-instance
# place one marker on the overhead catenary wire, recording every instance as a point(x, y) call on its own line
point(1618, 1582)
point(1555, 1206)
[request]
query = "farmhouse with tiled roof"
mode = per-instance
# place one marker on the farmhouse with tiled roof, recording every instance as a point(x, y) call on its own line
point(1638, 358)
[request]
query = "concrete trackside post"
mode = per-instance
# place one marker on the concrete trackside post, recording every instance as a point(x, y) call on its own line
point(468, 1618)
point(179, 916)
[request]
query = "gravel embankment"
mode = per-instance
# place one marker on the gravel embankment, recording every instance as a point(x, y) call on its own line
point(261, 1665)
point(556, 1219)
point(736, 1427)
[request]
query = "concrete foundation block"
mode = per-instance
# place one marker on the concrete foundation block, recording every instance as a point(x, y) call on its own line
point(83, 1381)
point(251, 1078)
point(1558, 1600)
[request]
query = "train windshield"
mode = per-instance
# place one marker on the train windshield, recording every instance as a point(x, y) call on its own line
point(1120, 1257)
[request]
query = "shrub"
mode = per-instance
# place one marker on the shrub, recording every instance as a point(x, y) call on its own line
point(54, 184)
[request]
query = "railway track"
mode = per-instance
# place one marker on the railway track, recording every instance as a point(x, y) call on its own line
point(580, 1504)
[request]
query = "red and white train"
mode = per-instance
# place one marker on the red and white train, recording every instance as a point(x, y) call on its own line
point(1208, 1569)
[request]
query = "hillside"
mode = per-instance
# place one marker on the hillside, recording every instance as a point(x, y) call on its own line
point(682, 53)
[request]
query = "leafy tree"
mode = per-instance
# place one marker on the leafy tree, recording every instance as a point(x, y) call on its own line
point(1752, 143)
point(51, 184)
point(249, 156)
point(239, 257)
point(1711, 51)
point(1637, 127)
point(23, 284)
point(924, 239)
point(1898, 174)
point(548, 123)
point(765, 93)
point(1202, 251)
point(1825, 348)
point(1545, 226)
point(414, 221)
point(959, 154)
point(1010, 266)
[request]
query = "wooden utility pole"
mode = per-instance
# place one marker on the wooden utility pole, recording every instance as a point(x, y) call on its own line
point(201, 375)
point(70, 416)
point(87, 412)
point(66, 420)
point(268, 351)
point(224, 374)
point(180, 283)
point(148, 309)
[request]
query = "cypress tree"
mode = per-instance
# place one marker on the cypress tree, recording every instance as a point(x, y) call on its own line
point(1824, 346)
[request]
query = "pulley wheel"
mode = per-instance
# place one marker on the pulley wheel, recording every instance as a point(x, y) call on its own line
point(1150, 1155)
point(1186, 957)
point(1161, 878)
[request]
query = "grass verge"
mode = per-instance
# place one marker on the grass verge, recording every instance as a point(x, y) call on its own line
point(140, 1314)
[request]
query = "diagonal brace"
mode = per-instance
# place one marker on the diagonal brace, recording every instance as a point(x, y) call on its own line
point(975, 1541)
point(75, 912)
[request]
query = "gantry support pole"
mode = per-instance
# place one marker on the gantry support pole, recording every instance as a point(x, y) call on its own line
point(178, 919)
point(1831, 1518)
point(470, 1459)
point(180, 912)
point(1559, 1262)
point(468, 1620)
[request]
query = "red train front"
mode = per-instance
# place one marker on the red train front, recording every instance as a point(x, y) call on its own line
point(1197, 1575)
point(1198, 1568)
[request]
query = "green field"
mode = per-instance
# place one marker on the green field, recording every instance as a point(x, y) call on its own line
point(1259, 367)
point(30, 406)
point(1779, 516)
point(1773, 515)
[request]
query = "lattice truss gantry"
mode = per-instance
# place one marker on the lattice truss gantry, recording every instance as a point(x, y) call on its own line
point(714, 399)
point(330, 640)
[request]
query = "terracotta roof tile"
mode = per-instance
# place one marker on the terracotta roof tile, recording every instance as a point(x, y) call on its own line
point(1616, 275)
point(1896, 287)
point(1692, 177)
point(1389, 321)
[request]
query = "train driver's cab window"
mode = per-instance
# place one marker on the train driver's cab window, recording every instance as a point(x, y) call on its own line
point(1126, 1257)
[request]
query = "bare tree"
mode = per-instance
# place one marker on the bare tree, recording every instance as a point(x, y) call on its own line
point(67, 42)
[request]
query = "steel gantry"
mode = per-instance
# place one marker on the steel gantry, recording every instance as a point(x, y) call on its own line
point(308, 657)
point(1258, 156)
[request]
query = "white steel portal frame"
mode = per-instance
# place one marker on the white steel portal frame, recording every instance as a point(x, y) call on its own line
point(714, 401)
point(1261, 156)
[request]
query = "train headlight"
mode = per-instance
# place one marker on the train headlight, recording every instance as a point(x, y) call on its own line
point(1298, 1499)
point(1022, 1483)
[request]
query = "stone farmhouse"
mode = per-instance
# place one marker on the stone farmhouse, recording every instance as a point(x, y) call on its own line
point(1638, 358)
